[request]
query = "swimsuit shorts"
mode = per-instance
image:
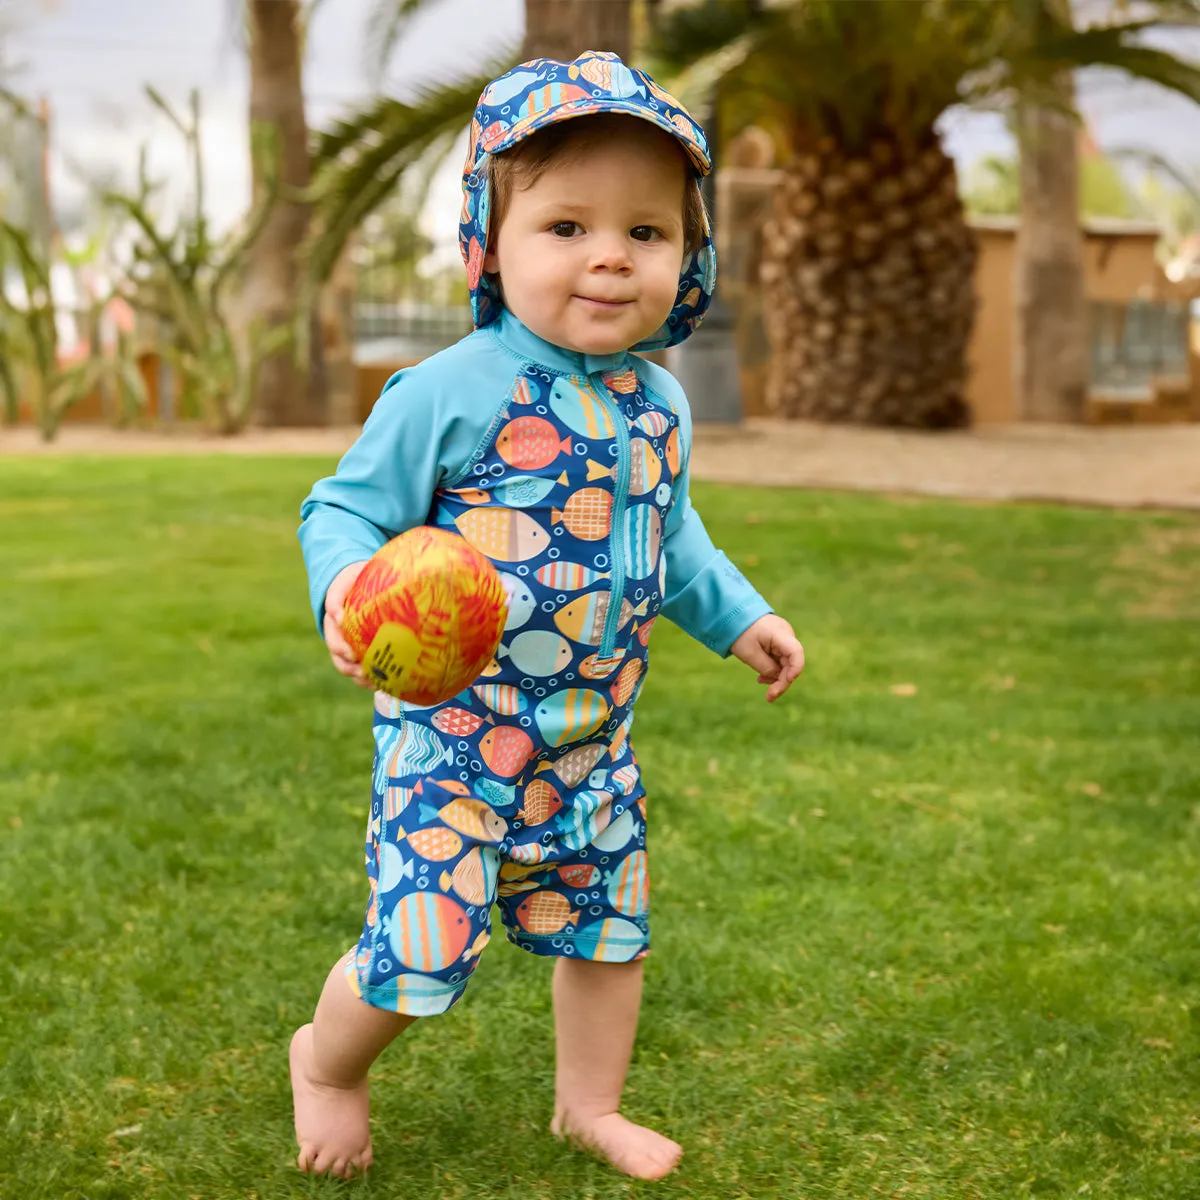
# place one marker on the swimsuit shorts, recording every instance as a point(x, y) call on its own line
point(561, 851)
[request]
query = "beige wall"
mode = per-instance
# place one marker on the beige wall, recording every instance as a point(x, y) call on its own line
point(1119, 265)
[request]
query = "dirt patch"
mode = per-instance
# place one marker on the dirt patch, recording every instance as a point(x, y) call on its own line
point(1156, 467)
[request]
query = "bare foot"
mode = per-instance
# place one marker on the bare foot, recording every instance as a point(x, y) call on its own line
point(632, 1149)
point(332, 1127)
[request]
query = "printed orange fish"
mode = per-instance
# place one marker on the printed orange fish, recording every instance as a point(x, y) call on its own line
point(541, 802)
point(456, 722)
point(522, 392)
point(595, 667)
point(473, 876)
point(474, 262)
point(475, 949)
point(568, 576)
point(545, 912)
point(587, 514)
point(501, 698)
point(530, 443)
point(506, 750)
point(506, 534)
point(518, 877)
point(454, 786)
point(625, 382)
point(672, 449)
point(578, 875)
point(576, 765)
point(618, 741)
point(472, 495)
point(472, 818)
point(626, 682)
point(434, 844)
point(529, 852)
point(645, 468)
point(625, 778)
point(643, 633)
point(583, 619)
point(429, 931)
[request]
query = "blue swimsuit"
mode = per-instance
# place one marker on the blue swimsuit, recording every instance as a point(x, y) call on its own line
point(569, 472)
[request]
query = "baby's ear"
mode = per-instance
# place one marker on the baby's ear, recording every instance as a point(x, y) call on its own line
point(491, 262)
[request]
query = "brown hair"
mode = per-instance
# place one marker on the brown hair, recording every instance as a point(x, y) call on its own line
point(523, 165)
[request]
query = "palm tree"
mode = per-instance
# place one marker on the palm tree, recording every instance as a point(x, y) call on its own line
point(286, 392)
point(563, 29)
point(867, 271)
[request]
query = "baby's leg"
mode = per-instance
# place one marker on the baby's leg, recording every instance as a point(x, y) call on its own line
point(595, 1015)
point(330, 1058)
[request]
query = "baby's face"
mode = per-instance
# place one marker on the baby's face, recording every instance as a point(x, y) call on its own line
point(589, 256)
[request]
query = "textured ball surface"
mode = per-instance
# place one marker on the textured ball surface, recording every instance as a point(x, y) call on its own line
point(425, 615)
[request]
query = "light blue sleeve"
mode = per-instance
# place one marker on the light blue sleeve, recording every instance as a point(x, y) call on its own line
point(705, 594)
point(426, 429)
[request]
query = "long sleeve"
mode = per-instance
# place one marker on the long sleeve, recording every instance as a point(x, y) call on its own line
point(422, 434)
point(705, 594)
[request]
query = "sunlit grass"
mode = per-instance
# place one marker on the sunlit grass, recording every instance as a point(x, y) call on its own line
point(927, 928)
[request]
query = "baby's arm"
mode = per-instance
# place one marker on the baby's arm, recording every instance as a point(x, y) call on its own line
point(383, 486)
point(708, 597)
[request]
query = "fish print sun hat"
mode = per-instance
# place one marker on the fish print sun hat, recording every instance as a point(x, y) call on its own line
point(541, 93)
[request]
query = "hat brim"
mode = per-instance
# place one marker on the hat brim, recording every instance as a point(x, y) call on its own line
point(569, 110)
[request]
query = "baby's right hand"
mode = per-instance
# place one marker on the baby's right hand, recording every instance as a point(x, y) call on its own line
point(335, 602)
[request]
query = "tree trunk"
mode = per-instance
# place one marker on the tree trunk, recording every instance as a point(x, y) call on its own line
point(1050, 355)
point(868, 286)
point(564, 29)
point(286, 395)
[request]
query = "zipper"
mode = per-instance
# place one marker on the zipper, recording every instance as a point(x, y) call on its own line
point(616, 549)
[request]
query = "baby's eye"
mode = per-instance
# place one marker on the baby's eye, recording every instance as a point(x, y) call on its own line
point(644, 233)
point(564, 229)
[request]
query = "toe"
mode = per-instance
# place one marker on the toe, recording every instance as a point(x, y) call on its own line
point(319, 1163)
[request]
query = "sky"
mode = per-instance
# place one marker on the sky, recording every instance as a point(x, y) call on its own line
point(90, 58)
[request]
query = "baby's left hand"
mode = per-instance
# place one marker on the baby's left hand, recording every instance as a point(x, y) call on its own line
point(771, 648)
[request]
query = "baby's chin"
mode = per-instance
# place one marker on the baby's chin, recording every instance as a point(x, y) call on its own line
point(601, 341)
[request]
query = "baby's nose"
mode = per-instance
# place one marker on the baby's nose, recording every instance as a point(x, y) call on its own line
point(610, 253)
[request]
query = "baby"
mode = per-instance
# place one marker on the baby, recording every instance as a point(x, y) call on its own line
point(563, 457)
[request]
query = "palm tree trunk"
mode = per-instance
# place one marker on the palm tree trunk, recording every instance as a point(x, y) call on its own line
point(1050, 367)
point(286, 394)
point(563, 29)
point(868, 286)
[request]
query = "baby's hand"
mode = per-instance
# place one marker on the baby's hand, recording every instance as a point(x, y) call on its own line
point(335, 602)
point(771, 648)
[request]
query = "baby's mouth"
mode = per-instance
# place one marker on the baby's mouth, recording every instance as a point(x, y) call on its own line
point(604, 303)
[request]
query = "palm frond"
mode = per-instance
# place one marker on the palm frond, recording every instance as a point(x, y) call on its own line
point(1158, 164)
point(1113, 48)
point(687, 35)
point(391, 137)
point(880, 67)
point(18, 104)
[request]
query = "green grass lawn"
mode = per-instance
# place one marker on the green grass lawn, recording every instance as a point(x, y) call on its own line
point(927, 928)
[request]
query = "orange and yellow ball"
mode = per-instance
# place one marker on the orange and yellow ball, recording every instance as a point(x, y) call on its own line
point(425, 616)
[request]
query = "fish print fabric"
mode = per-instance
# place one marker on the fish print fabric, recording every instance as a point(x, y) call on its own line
point(543, 92)
point(523, 790)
